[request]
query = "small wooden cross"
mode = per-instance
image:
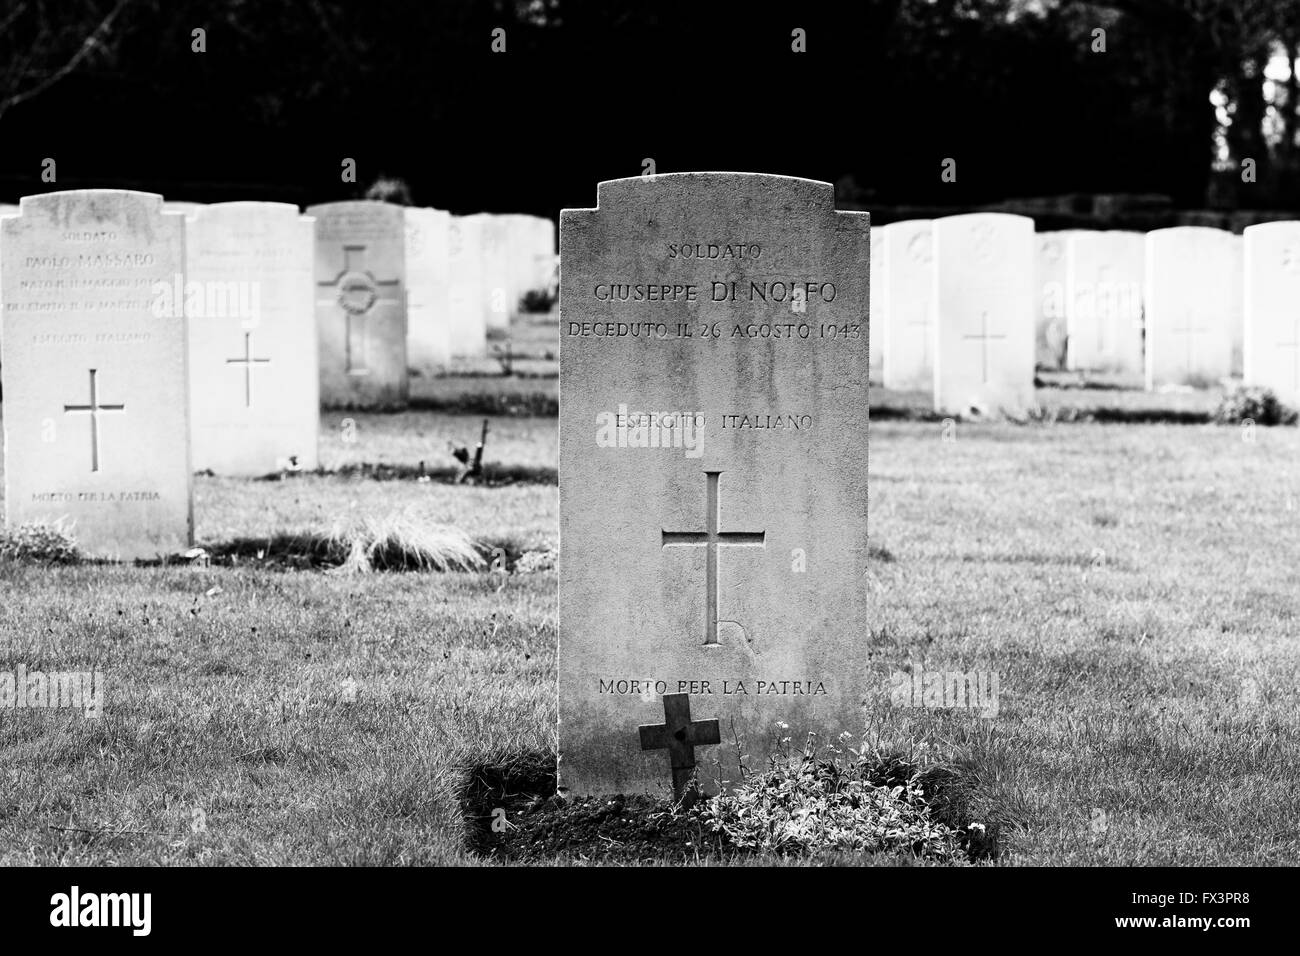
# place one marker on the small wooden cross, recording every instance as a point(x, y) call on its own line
point(680, 735)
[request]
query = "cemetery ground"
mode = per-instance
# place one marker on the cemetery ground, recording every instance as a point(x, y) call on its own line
point(1131, 585)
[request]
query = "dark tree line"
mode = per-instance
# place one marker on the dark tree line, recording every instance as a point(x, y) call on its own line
point(1014, 90)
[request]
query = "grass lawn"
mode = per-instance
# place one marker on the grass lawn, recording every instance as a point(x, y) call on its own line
point(1134, 586)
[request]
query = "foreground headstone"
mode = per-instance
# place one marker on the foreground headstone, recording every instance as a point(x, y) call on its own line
point(428, 289)
point(96, 410)
point(1103, 301)
point(467, 326)
point(907, 324)
point(713, 481)
point(361, 304)
point(254, 380)
point(1050, 323)
point(984, 313)
point(1190, 287)
point(1272, 308)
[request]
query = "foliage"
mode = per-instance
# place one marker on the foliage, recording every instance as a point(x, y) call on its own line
point(1250, 402)
point(805, 804)
point(539, 300)
point(48, 543)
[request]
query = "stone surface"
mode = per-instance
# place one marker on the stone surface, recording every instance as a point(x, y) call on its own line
point(544, 253)
point(428, 289)
point(724, 561)
point(879, 307)
point(496, 284)
point(184, 208)
point(361, 304)
point(984, 307)
point(254, 379)
point(1272, 308)
point(467, 329)
point(1190, 290)
point(907, 323)
point(96, 410)
point(1050, 321)
point(1103, 301)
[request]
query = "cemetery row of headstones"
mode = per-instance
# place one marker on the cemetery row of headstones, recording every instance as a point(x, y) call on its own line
point(141, 343)
point(968, 306)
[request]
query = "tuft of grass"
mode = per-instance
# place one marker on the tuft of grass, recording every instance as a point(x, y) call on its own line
point(39, 543)
point(396, 542)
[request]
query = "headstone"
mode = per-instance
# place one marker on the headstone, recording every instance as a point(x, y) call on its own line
point(467, 330)
point(521, 243)
point(544, 257)
point(5, 210)
point(494, 263)
point(428, 289)
point(713, 481)
point(184, 208)
point(96, 405)
point(254, 380)
point(908, 314)
point(1236, 302)
point(1103, 301)
point(1189, 292)
point(1272, 309)
point(879, 308)
point(361, 304)
point(1050, 324)
point(984, 313)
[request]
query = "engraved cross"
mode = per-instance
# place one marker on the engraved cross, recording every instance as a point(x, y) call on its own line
point(711, 539)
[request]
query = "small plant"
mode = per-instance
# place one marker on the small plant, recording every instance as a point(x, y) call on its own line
point(1252, 402)
point(803, 804)
point(531, 561)
point(40, 542)
point(392, 189)
point(538, 300)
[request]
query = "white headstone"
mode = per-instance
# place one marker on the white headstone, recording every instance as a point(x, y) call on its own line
point(1272, 308)
point(468, 299)
point(907, 321)
point(984, 313)
point(428, 289)
point(361, 304)
point(1189, 290)
point(1050, 324)
point(494, 262)
point(96, 404)
point(184, 208)
point(1103, 301)
point(254, 379)
point(878, 307)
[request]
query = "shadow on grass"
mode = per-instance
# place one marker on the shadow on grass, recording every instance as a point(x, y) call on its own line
point(503, 404)
point(494, 475)
point(317, 551)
